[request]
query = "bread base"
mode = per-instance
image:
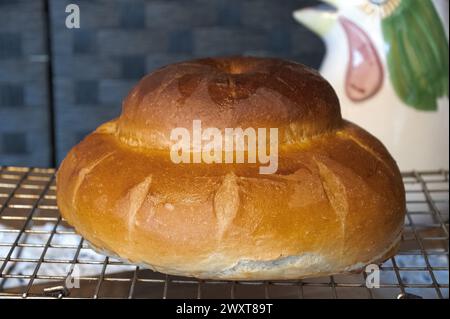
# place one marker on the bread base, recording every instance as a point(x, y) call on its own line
point(302, 266)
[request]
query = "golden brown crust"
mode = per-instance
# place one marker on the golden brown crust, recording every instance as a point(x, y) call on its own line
point(229, 92)
point(335, 204)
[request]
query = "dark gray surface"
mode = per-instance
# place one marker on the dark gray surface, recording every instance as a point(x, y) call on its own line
point(118, 42)
point(24, 109)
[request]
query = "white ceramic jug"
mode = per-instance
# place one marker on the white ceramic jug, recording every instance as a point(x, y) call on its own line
point(388, 62)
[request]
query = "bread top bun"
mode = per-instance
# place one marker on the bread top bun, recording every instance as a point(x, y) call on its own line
point(335, 204)
point(228, 93)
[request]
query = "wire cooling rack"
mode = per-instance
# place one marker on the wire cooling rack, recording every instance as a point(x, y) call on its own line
point(42, 257)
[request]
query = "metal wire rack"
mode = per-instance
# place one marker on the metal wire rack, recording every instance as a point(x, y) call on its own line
point(40, 253)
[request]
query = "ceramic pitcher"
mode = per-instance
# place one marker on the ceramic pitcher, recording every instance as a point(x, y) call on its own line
point(388, 62)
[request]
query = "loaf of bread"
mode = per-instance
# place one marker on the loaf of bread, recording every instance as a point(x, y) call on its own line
point(334, 203)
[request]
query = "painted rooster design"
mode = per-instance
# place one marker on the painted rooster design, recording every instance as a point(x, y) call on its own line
point(388, 61)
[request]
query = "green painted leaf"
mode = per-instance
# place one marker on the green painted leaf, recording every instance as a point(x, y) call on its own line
point(417, 55)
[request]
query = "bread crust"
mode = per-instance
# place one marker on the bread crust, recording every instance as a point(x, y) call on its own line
point(336, 203)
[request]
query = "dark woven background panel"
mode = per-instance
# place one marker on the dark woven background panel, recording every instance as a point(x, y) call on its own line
point(118, 42)
point(24, 109)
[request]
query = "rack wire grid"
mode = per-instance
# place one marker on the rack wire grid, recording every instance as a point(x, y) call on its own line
point(40, 254)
